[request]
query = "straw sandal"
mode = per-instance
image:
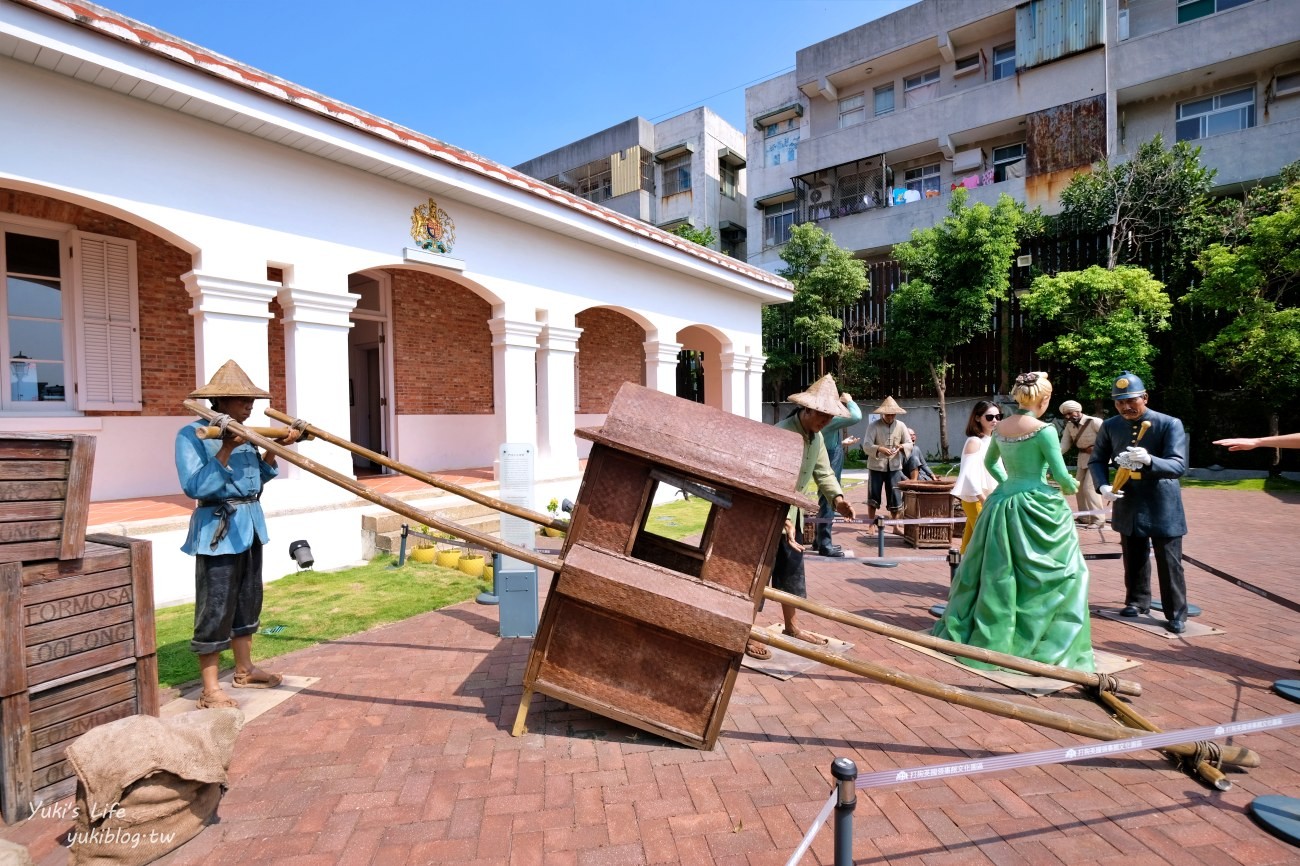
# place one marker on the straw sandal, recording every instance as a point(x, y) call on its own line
point(807, 637)
point(256, 679)
point(217, 700)
point(757, 651)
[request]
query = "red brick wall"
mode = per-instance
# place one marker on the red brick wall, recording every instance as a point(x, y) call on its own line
point(276, 358)
point(609, 354)
point(166, 327)
point(442, 347)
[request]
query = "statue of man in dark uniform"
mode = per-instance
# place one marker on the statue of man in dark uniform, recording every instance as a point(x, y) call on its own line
point(1149, 511)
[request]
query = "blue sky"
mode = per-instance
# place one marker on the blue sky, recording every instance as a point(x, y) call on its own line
point(513, 80)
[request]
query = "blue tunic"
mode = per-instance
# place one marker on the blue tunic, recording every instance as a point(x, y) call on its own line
point(1152, 505)
point(203, 478)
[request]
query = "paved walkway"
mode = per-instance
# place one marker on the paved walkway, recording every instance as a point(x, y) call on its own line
point(401, 753)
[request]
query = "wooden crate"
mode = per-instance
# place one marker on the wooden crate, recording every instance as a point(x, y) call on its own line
point(78, 651)
point(44, 495)
point(927, 499)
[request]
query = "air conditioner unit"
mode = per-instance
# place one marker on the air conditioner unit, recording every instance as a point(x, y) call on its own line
point(1287, 85)
point(967, 160)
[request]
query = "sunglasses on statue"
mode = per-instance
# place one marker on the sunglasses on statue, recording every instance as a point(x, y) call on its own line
point(991, 417)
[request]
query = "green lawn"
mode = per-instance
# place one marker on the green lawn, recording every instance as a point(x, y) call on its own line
point(318, 606)
point(1269, 485)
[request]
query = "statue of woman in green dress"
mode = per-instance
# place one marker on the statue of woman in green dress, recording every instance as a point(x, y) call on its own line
point(1022, 587)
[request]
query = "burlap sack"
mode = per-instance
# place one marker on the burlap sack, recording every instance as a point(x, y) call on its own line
point(146, 786)
point(13, 854)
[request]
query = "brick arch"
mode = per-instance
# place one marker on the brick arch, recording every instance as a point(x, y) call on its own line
point(442, 347)
point(610, 352)
point(167, 371)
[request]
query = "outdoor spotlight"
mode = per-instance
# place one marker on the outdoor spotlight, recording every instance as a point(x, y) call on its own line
point(300, 552)
point(567, 506)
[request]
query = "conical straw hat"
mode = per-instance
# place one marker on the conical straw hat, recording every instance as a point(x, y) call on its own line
point(889, 407)
point(230, 381)
point(823, 396)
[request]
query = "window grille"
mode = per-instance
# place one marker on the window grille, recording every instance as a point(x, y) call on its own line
point(677, 174)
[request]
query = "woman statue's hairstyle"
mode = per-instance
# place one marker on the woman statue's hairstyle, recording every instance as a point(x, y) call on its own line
point(973, 422)
point(1030, 388)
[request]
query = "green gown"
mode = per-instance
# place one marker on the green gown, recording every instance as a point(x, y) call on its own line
point(1022, 587)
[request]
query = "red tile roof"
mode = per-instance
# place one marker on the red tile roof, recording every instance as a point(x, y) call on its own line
point(195, 56)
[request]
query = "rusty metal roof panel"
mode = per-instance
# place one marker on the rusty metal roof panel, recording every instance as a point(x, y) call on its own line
point(704, 442)
point(1048, 30)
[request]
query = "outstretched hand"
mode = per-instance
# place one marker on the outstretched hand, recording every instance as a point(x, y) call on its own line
point(843, 508)
point(1243, 444)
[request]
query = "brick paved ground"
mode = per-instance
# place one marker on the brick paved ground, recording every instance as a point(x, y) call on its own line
point(401, 753)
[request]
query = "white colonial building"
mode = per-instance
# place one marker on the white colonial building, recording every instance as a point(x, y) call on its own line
point(165, 209)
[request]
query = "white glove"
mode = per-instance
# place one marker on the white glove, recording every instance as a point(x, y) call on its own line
point(1109, 495)
point(1123, 460)
point(1138, 456)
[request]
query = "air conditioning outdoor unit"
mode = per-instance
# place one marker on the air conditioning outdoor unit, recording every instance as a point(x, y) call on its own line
point(967, 160)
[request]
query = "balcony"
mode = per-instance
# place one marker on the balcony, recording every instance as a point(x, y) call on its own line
point(958, 119)
point(1248, 154)
point(1235, 41)
point(874, 230)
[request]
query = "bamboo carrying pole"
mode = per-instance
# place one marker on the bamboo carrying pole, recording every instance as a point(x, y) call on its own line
point(276, 433)
point(394, 505)
point(1133, 719)
point(432, 480)
point(1015, 663)
point(996, 706)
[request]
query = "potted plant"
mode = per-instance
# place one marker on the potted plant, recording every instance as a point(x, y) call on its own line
point(449, 552)
point(472, 564)
point(423, 551)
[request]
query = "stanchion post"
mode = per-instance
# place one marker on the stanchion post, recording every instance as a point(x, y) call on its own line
point(880, 537)
point(846, 774)
point(401, 550)
point(486, 597)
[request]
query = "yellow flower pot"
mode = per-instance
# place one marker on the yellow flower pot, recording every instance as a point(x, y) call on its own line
point(471, 564)
point(552, 533)
point(487, 574)
point(448, 558)
point(423, 554)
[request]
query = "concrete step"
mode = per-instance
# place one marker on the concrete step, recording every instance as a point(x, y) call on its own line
point(390, 542)
point(381, 529)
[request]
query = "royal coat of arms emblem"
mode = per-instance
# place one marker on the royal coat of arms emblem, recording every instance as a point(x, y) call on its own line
point(432, 229)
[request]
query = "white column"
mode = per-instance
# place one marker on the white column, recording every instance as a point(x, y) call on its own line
point(557, 402)
point(514, 374)
point(754, 387)
point(735, 368)
point(661, 365)
point(230, 323)
point(316, 326)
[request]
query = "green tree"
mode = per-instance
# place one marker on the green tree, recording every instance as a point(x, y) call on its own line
point(778, 342)
point(956, 273)
point(1159, 198)
point(704, 237)
point(826, 278)
point(1252, 287)
point(1105, 317)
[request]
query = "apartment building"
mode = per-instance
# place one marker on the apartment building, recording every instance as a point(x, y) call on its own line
point(875, 127)
point(688, 169)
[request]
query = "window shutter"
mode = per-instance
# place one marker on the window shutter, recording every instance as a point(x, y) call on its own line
point(109, 324)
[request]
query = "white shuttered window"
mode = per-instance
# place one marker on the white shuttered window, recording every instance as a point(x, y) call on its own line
point(108, 324)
